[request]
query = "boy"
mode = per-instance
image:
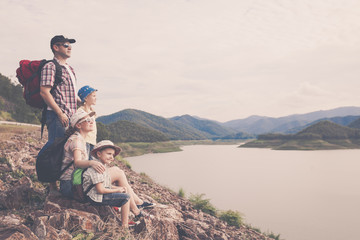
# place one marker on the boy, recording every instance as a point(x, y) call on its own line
point(104, 193)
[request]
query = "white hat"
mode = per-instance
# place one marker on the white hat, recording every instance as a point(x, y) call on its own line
point(80, 114)
point(105, 144)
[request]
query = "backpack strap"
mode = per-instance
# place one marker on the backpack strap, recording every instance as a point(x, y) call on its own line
point(65, 168)
point(58, 80)
point(82, 180)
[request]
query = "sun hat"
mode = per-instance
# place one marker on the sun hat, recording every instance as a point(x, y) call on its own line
point(80, 114)
point(61, 39)
point(105, 144)
point(85, 91)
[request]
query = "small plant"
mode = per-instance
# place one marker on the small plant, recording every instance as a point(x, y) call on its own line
point(272, 235)
point(4, 160)
point(126, 163)
point(233, 218)
point(181, 193)
point(202, 204)
point(17, 174)
point(145, 178)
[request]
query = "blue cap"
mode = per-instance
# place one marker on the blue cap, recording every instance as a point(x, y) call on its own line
point(85, 91)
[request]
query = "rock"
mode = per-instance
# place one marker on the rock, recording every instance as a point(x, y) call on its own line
point(155, 228)
point(84, 221)
point(18, 196)
point(40, 228)
point(17, 232)
point(10, 220)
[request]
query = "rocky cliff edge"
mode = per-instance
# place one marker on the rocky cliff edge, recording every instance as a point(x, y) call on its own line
point(28, 212)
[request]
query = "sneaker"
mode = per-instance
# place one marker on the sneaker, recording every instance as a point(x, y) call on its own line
point(117, 209)
point(140, 216)
point(146, 205)
point(132, 224)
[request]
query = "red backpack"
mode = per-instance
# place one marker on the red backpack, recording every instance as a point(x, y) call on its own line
point(29, 74)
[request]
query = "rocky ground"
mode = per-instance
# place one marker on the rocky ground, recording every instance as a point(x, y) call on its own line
point(28, 212)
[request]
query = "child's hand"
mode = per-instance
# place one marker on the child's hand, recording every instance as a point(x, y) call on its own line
point(121, 189)
point(98, 166)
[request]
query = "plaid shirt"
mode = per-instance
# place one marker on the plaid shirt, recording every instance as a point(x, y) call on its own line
point(64, 93)
point(75, 142)
point(91, 176)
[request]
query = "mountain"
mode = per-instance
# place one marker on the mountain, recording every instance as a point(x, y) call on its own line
point(125, 131)
point(355, 123)
point(172, 130)
point(344, 121)
point(261, 125)
point(322, 135)
point(209, 128)
point(329, 130)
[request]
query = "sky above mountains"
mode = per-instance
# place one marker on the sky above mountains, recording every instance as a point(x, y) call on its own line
point(220, 60)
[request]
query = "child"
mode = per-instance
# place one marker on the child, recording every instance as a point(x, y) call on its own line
point(105, 151)
point(104, 193)
point(75, 154)
point(87, 96)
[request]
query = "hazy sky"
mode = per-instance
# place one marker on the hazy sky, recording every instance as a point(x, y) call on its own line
point(216, 59)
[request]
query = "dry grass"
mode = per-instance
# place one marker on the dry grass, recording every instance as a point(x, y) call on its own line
point(8, 130)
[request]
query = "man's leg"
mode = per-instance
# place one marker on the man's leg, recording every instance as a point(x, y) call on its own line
point(55, 130)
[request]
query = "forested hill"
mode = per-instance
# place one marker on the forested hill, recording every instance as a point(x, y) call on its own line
point(12, 103)
point(175, 128)
point(322, 130)
point(209, 128)
point(322, 135)
point(125, 131)
point(330, 130)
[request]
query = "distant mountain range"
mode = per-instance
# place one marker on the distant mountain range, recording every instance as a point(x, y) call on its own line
point(293, 123)
point(137, 125)
point(188, 127)
point(177, 128)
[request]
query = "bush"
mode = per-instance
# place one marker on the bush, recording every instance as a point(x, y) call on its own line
point(126, 163)
point(233, 218)
point(181, 193)
point(202, 204)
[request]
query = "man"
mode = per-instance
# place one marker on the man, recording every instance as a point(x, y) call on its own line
point(62, 101)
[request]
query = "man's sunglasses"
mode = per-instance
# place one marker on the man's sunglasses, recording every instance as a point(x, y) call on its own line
point(65, 45)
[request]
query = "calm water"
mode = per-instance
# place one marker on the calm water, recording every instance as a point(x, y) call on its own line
point(302, 195)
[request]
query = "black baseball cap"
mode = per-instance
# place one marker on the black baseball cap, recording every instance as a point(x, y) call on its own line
point(61, 39)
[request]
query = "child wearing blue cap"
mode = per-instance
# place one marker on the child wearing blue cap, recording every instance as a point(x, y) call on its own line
point(87, 96)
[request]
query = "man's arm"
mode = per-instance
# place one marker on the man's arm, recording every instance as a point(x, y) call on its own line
point(49, 100)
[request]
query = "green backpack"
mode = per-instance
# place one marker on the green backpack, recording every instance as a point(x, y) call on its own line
point(79, 194)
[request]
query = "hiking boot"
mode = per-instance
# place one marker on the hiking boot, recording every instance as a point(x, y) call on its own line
point(146, 205)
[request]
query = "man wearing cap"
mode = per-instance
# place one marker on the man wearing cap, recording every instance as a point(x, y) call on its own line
point(62, 101)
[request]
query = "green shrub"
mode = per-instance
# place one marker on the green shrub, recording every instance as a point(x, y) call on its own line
point(233, 218)
point(17, 174)
point(202, 204)
point(272, 235)
point(181, 193)
point(126, 163)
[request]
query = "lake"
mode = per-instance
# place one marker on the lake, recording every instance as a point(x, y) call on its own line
point(302, 195)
